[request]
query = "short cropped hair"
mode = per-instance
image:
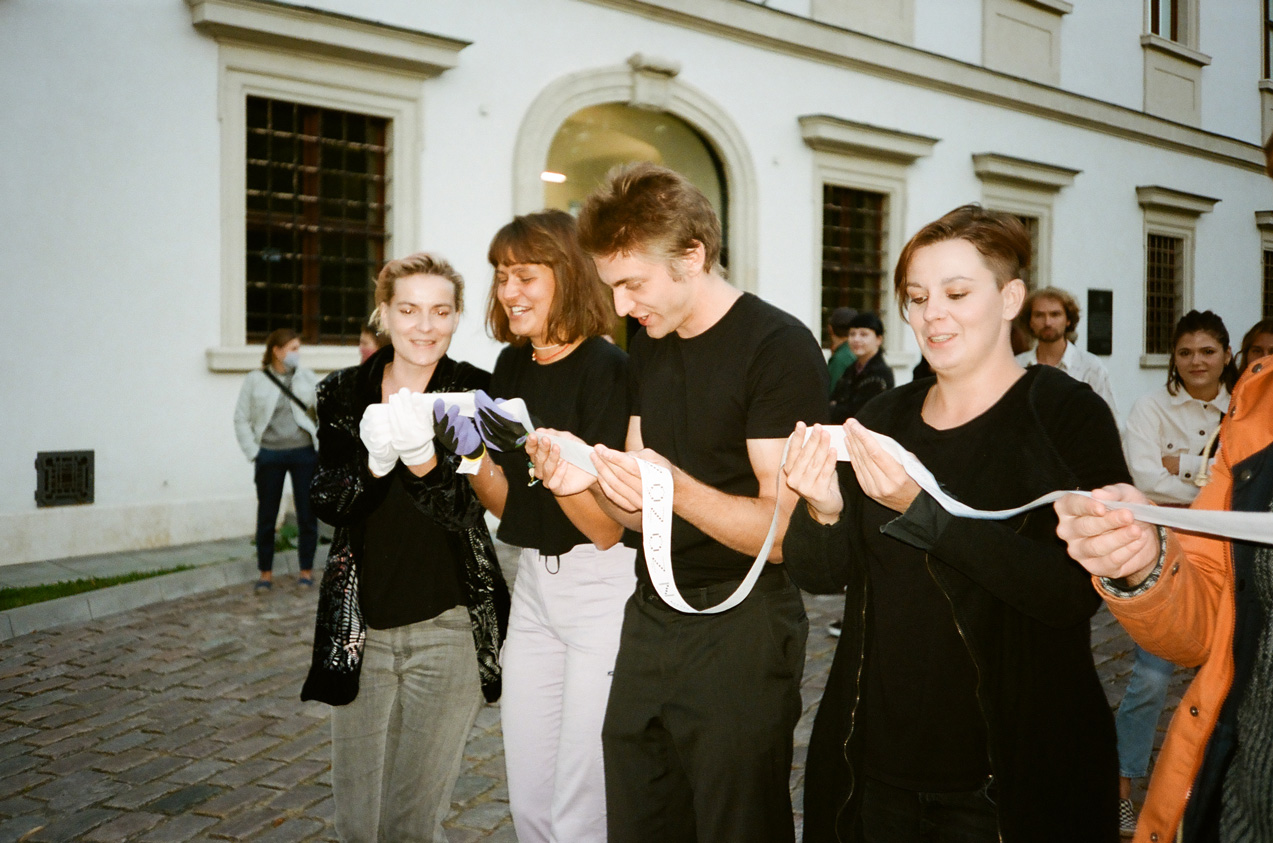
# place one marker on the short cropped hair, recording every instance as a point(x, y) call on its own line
point(278, 337)
point(867, 319)
point(647, 208)
point(420, 263)
point(1001, 239)
point(581, 305)
point(1067, 302)
point(1208, 323)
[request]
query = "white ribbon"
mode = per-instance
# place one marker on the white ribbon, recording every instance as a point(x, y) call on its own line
point(656, 507)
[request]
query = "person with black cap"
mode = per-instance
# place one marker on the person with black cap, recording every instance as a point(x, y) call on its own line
point(842, 357)
point(866, 378)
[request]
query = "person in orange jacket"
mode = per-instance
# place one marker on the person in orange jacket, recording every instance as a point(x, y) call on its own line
point(1200, 601)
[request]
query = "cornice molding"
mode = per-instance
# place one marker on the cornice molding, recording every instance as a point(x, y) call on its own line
point(1056, 7)
point(1264, 221)
point(1156, 198)
point(846, 137)
point(802, 37)
point(264, 23)
point(991, 166)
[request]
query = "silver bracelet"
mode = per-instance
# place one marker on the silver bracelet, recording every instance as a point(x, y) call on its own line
point(1114, 586)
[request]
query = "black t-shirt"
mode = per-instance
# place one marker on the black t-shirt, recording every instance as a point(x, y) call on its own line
point(583, 393)
point(752, 375)
point(407, 573)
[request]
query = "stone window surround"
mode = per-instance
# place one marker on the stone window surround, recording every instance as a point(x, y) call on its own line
point(1002, 19)
point(317, 58)
point(1171, 213)
point(648, 82)
point(865, 157)
point(1019, 186)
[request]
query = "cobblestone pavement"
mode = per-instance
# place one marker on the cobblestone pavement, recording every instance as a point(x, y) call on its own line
point(181, 721)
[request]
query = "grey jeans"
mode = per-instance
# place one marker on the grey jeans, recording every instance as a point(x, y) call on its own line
point(396, 749)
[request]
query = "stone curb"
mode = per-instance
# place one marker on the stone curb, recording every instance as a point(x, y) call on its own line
point(92, 605)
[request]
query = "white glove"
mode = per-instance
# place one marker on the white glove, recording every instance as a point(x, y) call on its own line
point(375, 434)
point(410, 427)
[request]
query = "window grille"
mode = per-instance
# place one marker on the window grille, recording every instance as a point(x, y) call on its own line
point(63, 477)
point(854, 233)
point(1163, 273)
point(317, 203)
point(1268, 285)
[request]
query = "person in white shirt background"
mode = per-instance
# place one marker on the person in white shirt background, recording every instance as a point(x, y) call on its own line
point(1052, 317)
point(1169, 444)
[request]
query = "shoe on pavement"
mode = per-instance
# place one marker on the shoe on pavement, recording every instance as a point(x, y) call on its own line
point(834, 629)
point(262, 585)
point(1126, 818)
point(307, 582)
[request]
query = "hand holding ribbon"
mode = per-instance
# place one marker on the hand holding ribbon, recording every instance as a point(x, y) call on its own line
point(620, 474)
point(1108, 542)
point(458, 434)
point(558, 474)
point(811, 473)
point(375, 434)
point(410, 429)
point(499, 429)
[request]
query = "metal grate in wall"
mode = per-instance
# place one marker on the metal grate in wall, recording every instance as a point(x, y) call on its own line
point(63, 477)
point(317, 206)
point(854, 234)
point(1029, 274)
point(1162, 291)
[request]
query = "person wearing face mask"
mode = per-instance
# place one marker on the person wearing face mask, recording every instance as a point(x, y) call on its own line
point(273, 421)
point(412, 607)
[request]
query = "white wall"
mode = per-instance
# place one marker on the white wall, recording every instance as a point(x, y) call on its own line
point(110, 256)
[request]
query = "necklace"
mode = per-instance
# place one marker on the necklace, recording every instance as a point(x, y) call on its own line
point(562, 347)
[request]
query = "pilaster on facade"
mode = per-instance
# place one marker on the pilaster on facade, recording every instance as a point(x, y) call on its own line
point(1023, 38)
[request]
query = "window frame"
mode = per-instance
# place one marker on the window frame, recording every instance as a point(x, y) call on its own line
point(888, 254)
point(1169, 213)
point(319, 59)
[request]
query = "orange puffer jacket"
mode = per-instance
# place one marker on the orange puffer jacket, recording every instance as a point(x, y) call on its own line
point(1188, 616)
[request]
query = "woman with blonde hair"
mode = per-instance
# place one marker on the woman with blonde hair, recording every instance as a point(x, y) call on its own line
point(413, 606)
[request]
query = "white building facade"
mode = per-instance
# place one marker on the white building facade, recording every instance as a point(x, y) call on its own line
point(184, 175)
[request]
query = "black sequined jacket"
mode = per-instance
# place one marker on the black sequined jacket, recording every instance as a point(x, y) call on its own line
point(344, 493)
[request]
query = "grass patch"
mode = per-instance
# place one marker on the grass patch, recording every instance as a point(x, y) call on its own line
point(12, 598)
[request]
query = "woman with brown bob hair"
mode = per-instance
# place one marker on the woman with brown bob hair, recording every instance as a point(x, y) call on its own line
point(573, 577)
point(963, 702)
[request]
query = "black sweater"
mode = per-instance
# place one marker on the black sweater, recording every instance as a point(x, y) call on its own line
point(1020, 605)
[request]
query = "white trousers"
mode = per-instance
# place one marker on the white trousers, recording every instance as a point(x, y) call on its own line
point(558, 660)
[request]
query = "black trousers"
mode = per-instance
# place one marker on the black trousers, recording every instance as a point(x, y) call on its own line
point(698, 730)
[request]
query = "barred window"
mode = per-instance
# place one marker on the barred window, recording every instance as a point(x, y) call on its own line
point(854, 234)
point(316, 219)
point(1268, 285)
point(1163, 293)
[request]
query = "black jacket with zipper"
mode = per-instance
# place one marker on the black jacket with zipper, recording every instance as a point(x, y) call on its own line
point(1021, 605)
